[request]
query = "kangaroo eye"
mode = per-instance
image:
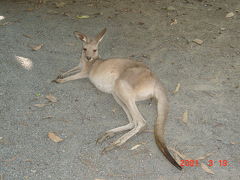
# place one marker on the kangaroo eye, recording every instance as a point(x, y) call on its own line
point(84, 49)
point(94, 50)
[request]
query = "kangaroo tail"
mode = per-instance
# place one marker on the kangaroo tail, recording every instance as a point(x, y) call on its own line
point(162, 107)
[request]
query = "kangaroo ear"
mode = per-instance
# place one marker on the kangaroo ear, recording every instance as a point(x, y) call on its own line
point(81, 36)
point(100, 36)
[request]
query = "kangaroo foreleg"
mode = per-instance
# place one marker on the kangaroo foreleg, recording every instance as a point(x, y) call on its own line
point(80, 75)
point(73, 70)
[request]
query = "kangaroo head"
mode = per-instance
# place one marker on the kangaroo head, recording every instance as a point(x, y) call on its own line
point(90, 45)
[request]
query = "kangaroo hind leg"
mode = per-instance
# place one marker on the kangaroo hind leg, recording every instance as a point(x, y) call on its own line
point(112, 132)
point(126, 94)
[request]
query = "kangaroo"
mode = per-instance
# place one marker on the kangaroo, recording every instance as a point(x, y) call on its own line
point(128, 81)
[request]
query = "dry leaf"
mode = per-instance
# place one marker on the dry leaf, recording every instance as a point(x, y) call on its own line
point(135, 147)
point(235, 142)
point(29, 9)
point(52, 12)
point(185, 117)
point(2, 17)
point(51, 98)
point(171, 8)
point(33, 170)
point(6, 23)
point(177, 88)
point(37, 94)
point(25, 62)
point(204, 156)
point(174, 21)
point(60, 4)
point(83, 17)
point(97, 14)
point(10, 160)
point(198, 41)
point(54, 137)
point(90, 5)
point(182, 156)
point(40, 105)
point(114, 110)
point(48, 117)
point(36, 48)
point(206, 168)
point(66, 14)
point(229, 15)
point(27, 36)
point(42, 1)
point(70, 44)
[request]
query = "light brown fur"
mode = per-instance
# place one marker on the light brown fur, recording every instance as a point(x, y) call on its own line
point(128, 81)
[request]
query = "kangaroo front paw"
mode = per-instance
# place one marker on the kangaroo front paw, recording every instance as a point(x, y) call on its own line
point(60, 76)
point(105, 136)
point(58, 80)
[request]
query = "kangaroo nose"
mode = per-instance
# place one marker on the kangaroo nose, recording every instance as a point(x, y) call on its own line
point(88, 57)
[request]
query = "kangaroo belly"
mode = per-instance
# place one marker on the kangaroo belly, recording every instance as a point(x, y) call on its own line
point(104, 81)
point(104, 76)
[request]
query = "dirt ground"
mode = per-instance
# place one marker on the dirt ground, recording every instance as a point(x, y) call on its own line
point(160, 33)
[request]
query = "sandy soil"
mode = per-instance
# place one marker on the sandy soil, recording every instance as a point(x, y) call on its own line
point(158, 33)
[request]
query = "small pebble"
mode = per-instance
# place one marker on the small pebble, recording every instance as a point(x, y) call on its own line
point(33, 170)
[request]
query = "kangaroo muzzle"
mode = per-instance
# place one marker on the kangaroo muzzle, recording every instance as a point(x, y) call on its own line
point(88, 58)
